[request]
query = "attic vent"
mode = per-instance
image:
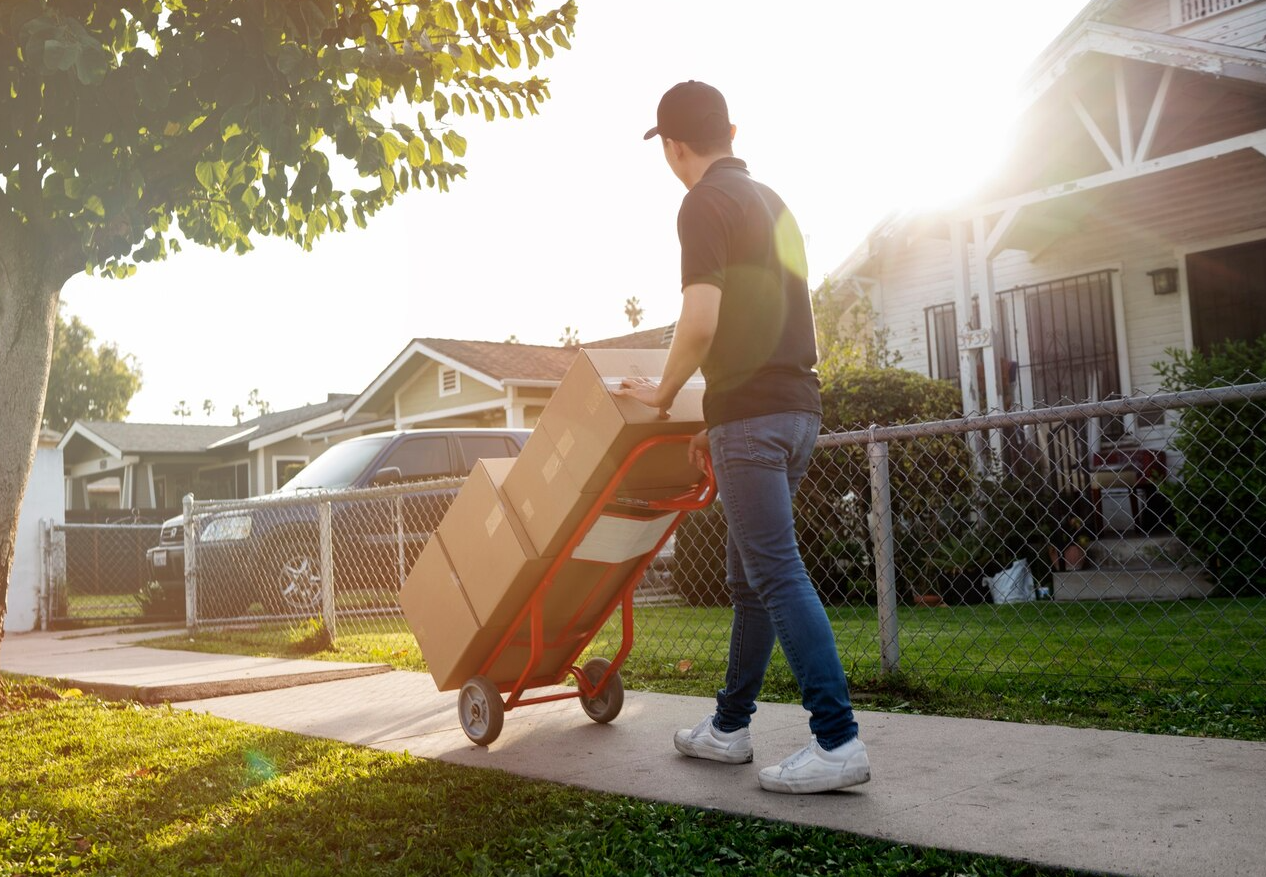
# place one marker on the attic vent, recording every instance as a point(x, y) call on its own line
point(1191, 10)
point(668, 334)
point(450, 381)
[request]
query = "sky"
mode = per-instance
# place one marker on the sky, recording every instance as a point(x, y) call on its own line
point(849, 110)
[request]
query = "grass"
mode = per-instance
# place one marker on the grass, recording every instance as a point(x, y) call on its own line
point(1190, 667)
point(99, 788)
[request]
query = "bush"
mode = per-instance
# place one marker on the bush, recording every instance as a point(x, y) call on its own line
point(1219, 497)
point(833, 508)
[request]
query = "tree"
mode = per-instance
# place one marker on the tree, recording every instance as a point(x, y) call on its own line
point(570, 337)
point(257, 401)
point(181, 410)
point(237, 413)
point(85, 382)
point(208, 408)
point(229, 120)
point(633, 310)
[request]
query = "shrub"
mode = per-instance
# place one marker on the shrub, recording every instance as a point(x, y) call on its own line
point(1219, 497)
point(833, 508)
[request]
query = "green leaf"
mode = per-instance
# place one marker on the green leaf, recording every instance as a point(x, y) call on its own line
point(61, 56)
point(417, 152)
point(205, 172)
point(455, 142)
point(93, 205)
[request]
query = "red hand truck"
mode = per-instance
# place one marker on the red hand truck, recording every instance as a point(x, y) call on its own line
point(598, 684)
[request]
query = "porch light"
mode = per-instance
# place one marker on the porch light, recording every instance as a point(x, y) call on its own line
point(1164, 280)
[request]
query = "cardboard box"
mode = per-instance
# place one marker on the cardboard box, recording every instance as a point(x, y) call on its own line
point(479, 570)
point(489, 549)
point(583, 436)
point(592, 431)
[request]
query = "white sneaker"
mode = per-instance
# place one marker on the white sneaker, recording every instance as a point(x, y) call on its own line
point(814, 769)
point(705, 741)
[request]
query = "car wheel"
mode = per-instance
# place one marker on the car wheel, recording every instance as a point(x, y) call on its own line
point(294, 578)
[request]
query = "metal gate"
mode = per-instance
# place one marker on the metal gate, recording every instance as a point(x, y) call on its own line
point(96, 573)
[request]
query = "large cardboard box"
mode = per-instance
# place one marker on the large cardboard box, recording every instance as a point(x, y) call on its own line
point(479, 570)
point(441, 618)
point(583, 436)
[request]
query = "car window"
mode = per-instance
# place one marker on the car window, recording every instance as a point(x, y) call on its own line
point(486, 447)
point(418, 458)
point(337, 467)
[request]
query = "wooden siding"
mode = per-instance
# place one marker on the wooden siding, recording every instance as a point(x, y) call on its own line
point(421, 395)
point(1243, 26)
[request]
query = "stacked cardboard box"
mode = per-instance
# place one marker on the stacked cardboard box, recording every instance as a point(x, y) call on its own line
point(513, 518)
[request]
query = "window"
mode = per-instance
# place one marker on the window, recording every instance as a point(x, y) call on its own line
point(1192, 10)
point(486, 447)
point(1072, 339)
point(450, 381)
point(285, 468)
point(1227, 288)
point(420, 458)
point(941, 322)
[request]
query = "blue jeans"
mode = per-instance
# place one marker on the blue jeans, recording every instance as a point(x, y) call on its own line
point(759, 463)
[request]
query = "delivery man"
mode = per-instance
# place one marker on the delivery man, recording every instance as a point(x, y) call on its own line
point(746, 321)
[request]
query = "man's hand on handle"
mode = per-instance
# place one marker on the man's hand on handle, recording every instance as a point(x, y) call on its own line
point(646, 391)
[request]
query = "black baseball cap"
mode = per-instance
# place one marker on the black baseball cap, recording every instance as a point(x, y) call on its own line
point(691, 112)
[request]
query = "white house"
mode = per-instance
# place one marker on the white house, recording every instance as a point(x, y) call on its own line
point(42, 501)
point(1129, 219)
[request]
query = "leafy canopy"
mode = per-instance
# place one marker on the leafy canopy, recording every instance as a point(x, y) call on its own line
point(87, 382)
point(234, 117)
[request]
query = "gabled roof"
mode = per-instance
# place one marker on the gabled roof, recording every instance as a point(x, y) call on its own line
point(119, 439)
point(503, 361)
point(647, 339)
point(498, 364)
point(280, 425)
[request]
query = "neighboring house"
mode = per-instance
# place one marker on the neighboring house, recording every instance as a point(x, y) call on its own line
point(41, 502)
point(433, 382)
point(152, 466)
point(1129, 219)
point(443, 382)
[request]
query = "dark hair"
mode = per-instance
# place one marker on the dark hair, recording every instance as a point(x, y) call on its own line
point(715, 146)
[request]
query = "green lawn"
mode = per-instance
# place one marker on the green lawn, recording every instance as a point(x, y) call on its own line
point(1190, 667)
point(98, 788)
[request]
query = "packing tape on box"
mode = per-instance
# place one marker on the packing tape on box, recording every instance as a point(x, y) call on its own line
point(494, 520)
point(551, 468)
point(565, 443)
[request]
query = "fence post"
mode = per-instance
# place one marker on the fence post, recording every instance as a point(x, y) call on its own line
point(191, 566)
point(327, 569)
point(885, 565)
point(42, 604)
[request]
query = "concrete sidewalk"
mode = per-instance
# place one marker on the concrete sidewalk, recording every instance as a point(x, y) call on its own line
point(1102, 801)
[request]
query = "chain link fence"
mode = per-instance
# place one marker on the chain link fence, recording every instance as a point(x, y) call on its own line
point(96, 573)
point(1039, 547)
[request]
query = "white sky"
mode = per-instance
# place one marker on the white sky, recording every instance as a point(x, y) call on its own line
point(848, 109)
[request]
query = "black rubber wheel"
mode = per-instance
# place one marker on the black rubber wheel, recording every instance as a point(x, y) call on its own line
point(607, 705)
point(480, 710)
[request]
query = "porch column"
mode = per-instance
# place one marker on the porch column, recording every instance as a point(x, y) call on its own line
point(515, 410)
point(962, 311)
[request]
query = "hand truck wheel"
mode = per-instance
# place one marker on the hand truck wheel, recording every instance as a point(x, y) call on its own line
point(605, 706)
point(481, 711)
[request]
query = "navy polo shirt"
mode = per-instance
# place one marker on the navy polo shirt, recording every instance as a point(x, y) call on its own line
point(738, 235)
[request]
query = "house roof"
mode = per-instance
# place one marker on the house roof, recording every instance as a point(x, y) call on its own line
point(118, 439)
point(498, 364)
point(253, 431)
point(647, 339)
point(505, 361)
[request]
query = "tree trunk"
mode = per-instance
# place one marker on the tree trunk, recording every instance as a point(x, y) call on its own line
point(30, 284)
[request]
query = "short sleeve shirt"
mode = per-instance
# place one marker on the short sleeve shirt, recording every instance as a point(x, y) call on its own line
point(738, 235)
